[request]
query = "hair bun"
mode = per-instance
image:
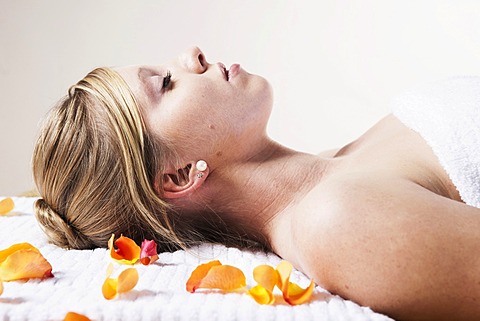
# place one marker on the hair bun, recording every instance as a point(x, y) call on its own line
point(58, 230)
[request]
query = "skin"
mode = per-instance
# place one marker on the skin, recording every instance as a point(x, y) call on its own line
point(377, 221)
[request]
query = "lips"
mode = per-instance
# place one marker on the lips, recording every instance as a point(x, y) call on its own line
point(233, 71)
point(229, 73)
point(224, 70)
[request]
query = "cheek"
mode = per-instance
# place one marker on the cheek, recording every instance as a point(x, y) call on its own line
point(206, 116)
point(189, 123)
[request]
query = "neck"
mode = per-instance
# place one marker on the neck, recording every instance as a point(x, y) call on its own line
point(252, 194)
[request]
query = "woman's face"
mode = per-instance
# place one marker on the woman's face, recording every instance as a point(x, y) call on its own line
point(202, 109)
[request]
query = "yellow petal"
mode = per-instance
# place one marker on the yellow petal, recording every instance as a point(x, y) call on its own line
point(14, 248)
point(297, 295)
point(25, 264)
point(72, 316)
point(124, 283)
point(199, 273)
point(266, 276)
point(284, 270)
point(1, 287)
point(261, 295)
point(109, 270)
point(109, 288)
point(292, 293)
point(127, 280)
point(127, 252)
point(223, 277)
point(6, 205)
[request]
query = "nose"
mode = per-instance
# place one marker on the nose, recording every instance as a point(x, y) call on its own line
point(194, 60)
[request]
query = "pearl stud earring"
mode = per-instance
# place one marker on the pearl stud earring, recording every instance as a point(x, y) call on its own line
point(201, 165)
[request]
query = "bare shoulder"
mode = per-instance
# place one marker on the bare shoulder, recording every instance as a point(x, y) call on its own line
point(390, 244)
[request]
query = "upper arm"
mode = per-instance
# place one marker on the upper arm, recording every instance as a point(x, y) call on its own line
point(397, 248)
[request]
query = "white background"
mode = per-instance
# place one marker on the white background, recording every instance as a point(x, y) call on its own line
point(334, 64)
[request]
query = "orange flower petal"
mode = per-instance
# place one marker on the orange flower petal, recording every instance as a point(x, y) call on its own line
point(127, 252)
point(25, 264)
point(284, 270)
point(297, 295)
point(292, 293)
point(261, 295)
point(6, 205)
point(223, 277)
point(14, 248)
point(127, 280)
point(199, 273)
point(148, 252)
point(149, 260)
point(109, 288)
point(72, 316)
point(266, 276)
point(124, 283)
point(109, 270)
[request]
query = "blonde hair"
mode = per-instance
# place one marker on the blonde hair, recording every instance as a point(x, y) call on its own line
point(94, 165)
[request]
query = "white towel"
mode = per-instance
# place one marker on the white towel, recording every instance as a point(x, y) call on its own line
point(160, 293)
point(446, 114)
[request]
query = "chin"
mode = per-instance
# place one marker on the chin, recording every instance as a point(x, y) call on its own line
point(263, 92)
point(263, 103)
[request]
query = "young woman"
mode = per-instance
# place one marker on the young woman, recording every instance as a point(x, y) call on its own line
point(179, 153)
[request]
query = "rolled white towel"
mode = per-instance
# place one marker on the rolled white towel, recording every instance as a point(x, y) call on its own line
point(446, 114)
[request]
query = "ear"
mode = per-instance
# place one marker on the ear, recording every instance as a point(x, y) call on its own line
point(181, 182)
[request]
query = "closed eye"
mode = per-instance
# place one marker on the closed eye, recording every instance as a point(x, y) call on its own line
point(167, 81)
point(155, 83)
point(163, 83)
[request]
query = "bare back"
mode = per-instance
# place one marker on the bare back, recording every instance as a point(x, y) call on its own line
point(387, 228)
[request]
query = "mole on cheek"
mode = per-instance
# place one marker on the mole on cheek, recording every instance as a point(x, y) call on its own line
point(211, 126)
point(219, 154)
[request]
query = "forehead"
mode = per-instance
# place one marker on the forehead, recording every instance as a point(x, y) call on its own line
point(134, 76)
point(130, 75)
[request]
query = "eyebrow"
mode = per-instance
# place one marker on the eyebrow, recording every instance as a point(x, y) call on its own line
point(142, 74)
point(147, 88)
point(142, 71)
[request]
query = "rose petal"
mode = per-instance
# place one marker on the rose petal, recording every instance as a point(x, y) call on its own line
point(199, 273)
point(25, 264)
point(127, 252)
point(72, 316)
point(109, 270)
point(127, 280)
point(297, 295)
point(148, 248)
point(109, 288)
point(149, 260)
point(148, 252)
point(124, 283)
point(261, 295)
point(223, 277)
point(266, 276)
point(284, 270)
point(6, 205)
point(292, 293)
point(16, 247)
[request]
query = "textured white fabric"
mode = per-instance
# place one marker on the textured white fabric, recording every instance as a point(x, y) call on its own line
point(160, 293)
point(446, 114)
